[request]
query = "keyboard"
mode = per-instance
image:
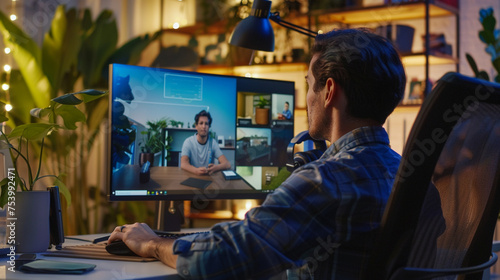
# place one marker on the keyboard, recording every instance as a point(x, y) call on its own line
point(175, 235)
point(120, 248)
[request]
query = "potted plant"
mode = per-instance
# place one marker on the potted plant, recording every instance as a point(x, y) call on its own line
point(262, 111)
point(26, 146)
point(153, 141)
point(75, 53)
point(491, 37)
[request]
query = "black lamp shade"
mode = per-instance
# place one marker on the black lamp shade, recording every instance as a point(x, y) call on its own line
point(255, 32)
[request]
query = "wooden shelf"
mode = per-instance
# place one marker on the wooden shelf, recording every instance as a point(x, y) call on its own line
point(201, 28)
point(248, 69)
point(347, 15)
point(418, 59)
point(383, 13)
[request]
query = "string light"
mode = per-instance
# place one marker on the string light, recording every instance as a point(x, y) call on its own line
point(7, 67)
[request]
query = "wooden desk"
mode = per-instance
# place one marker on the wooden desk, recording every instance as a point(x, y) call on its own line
point(169, 178)
point(104, 270)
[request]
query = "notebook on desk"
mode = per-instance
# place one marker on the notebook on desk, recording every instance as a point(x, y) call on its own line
point(196, 183)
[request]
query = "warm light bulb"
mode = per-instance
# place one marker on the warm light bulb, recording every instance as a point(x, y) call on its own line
point(7, 68)
point(6, 50)
point(13, 17)
point(176, 25)
point(320, 31)
point(8, 107)
point(5, 86)
point(248, 75)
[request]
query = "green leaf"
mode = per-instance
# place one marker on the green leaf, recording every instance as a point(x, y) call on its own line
point(3, 113)
point(70, 115)
point(98, 45)
point(63, 190)
point(68, 99)
point(130, 52)
point(61, 45)
point(32, 131)
point(483, 75)
point(91, 94)
point(21, 100)
point(4, 193)
point(472, 63)
point(489, 22)
point(487, 37)
point(28, 57)
point(496, 64)
point(40, 113)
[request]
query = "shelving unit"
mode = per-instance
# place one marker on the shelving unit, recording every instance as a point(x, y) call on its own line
point(419, 12)
point(423, 9)
point(351, 16)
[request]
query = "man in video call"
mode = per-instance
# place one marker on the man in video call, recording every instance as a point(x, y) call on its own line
point(286, 114)
point(199, 151)
point(322, 221)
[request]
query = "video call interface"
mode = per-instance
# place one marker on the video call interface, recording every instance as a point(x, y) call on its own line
point(151, 105)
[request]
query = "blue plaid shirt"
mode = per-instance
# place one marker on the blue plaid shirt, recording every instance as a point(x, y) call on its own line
point(319, 224)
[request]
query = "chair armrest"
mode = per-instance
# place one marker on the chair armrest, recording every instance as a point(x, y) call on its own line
point(427, 273)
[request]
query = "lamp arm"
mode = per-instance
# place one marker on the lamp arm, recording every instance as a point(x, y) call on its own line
point(276, 18)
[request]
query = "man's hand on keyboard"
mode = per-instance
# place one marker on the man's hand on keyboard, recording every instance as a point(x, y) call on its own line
point(143, 241)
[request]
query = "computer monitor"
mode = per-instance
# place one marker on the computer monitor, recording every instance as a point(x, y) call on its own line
point(142, 98)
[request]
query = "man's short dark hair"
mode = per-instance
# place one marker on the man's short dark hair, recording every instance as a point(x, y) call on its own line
point(286, 102)
point(203, 113)
point(366, 66)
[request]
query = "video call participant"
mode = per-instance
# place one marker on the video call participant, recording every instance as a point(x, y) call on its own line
point(199, 151)
point(286, 114)
point(321, 222)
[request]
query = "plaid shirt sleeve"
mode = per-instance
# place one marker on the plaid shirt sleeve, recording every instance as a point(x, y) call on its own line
point(309, 221)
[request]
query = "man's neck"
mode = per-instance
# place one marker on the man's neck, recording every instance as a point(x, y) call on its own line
point(201, 139)
point(348, 125)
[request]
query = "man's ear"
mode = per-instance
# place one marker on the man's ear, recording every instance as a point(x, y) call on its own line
point(330, 92)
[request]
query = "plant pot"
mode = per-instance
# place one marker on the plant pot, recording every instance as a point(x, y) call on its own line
point(143, 157)
point(262, 116)
point(30, 228)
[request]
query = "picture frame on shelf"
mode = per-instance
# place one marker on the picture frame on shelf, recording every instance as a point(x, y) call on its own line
point(415, 94)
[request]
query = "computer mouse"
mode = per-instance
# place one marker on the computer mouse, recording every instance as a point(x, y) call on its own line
point(119, 248)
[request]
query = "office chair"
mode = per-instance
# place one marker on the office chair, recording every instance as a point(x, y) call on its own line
point(442, 212)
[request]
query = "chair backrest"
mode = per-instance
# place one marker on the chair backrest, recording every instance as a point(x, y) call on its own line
point(446, 197)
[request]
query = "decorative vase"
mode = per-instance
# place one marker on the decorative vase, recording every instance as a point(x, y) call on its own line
point(262, 116)
point(30, 227)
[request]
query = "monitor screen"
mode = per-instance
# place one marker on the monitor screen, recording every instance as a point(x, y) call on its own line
point(152, 113)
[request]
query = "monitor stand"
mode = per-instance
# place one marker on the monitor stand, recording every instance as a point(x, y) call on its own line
point(169, 215)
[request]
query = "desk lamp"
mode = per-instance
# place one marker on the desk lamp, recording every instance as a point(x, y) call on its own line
point(255, 32)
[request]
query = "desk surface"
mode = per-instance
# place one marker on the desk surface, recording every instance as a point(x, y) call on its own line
point(104, 269)
point(169, 178)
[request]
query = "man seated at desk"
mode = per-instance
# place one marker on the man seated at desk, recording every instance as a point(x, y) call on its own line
point(198, 151)
point(322, 221)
